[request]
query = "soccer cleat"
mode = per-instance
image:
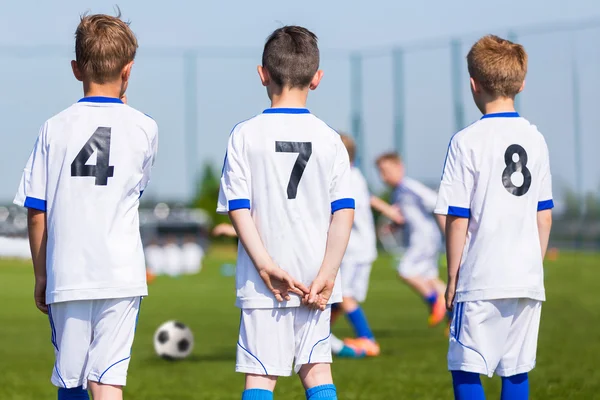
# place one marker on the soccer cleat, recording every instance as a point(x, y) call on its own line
point(150, 277)
point(438, 312)
point(369, 346)
point(351, 352)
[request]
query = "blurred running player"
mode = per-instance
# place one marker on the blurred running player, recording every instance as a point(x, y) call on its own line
point(496, 192)
point(419, 266)
point(81, 185)
point(287, 189)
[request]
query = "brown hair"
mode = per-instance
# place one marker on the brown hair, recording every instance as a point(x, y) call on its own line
point(291, 55)
point(498, 65)
point(350, 146)
point(103, 46)
point(390, 156)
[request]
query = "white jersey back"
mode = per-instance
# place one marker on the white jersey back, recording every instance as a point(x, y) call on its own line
point(362, 246)
point(417, 202)
point(292, 171)
point(88, 169)
point(497, 173)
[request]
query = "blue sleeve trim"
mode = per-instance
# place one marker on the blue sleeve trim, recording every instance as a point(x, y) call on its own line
point(545, 205)
point(141, 193)
point(238, 204)
point(341, 204)
point(37, 204)
point(459, 212)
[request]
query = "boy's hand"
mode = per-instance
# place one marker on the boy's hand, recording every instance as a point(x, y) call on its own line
point(280, 283)
point(319, 293)
point(39, 295)
point(450, 293)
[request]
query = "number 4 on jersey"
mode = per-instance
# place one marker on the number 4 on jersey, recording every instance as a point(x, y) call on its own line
point(99, 142)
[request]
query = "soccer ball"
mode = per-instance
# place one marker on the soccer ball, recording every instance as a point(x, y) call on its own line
point(173, 341)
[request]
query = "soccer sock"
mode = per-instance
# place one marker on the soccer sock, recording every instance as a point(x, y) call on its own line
point(78, 393)
point(431, 298)
point(467, 386)
point(322, 392)
point(515, 387)
point(336, 344)
point(257, 394)
point(359, 322)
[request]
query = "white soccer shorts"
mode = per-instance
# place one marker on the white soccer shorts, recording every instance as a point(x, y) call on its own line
point(494, 336)
point(272, 340)
point(92, 340)
point(355, 280)
point(421, 261)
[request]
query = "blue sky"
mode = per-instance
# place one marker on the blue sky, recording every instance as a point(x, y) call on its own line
point(36, 40)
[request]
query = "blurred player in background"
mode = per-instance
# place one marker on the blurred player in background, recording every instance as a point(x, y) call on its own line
point(496, 192)
point(419, 266)
point(286, 186)
point(82, 186)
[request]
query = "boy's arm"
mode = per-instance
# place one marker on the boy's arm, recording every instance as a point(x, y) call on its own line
point(337, 241)
point(544, 223)
point(279, 282)
point(441, 221)
point(38, 237)
point(388, 210)
point(456, 235)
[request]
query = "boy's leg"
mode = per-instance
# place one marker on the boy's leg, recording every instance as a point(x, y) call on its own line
point(70, 336)
point(467, 386)
point(259, 387)
point(114, 322)
point(318, 382)
point(265, 349)
point(515, 387)
point(520, 350)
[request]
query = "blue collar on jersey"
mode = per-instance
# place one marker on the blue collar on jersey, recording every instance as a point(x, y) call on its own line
point(502, 115)
point(100, 99)
point(286, 111)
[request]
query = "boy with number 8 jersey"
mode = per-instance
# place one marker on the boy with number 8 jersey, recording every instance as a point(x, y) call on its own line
point(286, 187)
point(496, 193)
point(81, 185)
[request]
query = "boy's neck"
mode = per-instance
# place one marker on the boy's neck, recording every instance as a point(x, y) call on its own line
point(289, 98)
point(110, 89)
point(499, 105)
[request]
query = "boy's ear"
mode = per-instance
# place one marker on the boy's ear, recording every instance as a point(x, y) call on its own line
point(265, 79)
point(126, 71)
point(316, 80)
point(475, 86)
point(76, 72)
point(522, 87)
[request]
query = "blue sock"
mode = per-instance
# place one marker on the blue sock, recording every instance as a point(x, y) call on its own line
point(322, 392)
point(77, 393)
point(515, 387)
point(467, 386)
point(431, 299)
point(360, 324)
point(257, 394)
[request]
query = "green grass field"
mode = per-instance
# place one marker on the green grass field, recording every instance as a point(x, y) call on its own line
point(412, 364)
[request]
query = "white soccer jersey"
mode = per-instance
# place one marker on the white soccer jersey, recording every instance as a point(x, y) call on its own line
point(417, 202)
point(497, 174)
point(292, 171)
point(87, 171)
point(362, 247)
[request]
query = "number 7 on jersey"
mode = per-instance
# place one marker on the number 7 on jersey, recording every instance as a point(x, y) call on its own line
point(304, 150)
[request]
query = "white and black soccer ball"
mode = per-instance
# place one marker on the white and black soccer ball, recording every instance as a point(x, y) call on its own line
point(173, 341)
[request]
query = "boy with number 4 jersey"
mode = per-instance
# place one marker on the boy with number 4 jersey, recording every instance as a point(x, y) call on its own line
point(81, 185)
point(496, 193)
point(286, 187)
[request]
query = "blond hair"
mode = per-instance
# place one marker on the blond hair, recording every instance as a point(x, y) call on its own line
point(103, 46)
point(389, 156)
point(350, 146)
point(498, 65)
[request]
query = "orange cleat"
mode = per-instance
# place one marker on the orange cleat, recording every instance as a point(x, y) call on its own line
point(370, 347)
point(150, 277)
point(438, 312)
